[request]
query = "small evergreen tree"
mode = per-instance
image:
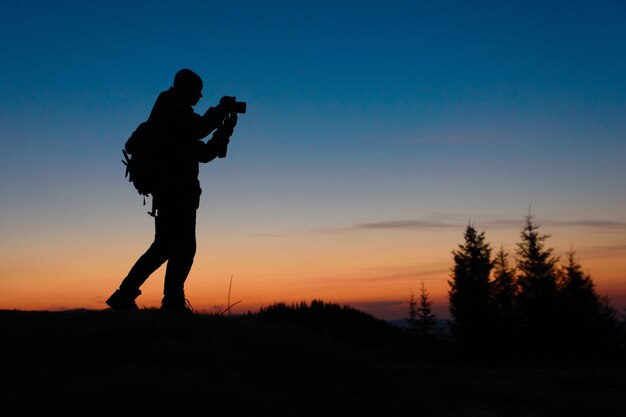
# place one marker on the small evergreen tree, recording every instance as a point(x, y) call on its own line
point(578, 293)
point(504, 290)
point(538, 301)
point(469, 292)
point(426, 324)
point(589, 322)
point(412, 317)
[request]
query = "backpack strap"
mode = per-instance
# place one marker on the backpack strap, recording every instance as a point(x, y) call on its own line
point(153, 212)
point(126, 161)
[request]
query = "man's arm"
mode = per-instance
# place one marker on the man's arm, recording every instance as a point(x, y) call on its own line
point(218, 144)
point(209, 151)
point(201, 126)
point(213, 117)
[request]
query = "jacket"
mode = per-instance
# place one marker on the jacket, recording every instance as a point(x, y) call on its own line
point(180, 131)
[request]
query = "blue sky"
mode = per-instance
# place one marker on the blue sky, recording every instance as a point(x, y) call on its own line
point(359, 112)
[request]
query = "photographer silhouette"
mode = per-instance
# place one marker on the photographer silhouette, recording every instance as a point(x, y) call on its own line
point(178, 131)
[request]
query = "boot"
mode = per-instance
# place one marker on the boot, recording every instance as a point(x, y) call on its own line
point(178, 304)
point(123, 299)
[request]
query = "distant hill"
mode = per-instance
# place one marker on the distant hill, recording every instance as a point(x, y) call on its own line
point(442, 325)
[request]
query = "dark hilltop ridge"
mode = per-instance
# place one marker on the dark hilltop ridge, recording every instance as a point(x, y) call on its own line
point(298, 360)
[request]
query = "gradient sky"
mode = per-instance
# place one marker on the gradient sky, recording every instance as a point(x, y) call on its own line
point(375, 132)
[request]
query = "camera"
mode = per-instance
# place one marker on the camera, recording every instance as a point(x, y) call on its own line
point(233, 105)
point(240, 107)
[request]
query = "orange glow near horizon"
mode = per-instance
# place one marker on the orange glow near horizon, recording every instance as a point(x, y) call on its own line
point(372, 273)
point(79, 267)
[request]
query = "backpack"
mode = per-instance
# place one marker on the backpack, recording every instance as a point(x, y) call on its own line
point(143, 159)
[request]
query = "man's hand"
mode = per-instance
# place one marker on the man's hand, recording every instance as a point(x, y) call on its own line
point(222, 135)
point(229, 123)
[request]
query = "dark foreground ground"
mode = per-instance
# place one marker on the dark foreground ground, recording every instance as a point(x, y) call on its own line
point(103, 363)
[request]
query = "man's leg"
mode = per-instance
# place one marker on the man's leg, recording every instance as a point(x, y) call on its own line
point(182, 252)
point(150, 261)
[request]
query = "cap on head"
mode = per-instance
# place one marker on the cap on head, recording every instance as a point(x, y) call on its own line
point(187, 80)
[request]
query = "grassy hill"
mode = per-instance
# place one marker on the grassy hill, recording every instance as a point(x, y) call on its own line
point(105, 363)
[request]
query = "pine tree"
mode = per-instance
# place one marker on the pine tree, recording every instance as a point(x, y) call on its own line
point(426, 319)
point(469, 293)
point(578, 291)
point(538, 299)
point(586, 323)
point(504, 289)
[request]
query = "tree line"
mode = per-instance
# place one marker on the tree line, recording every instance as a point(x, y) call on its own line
point(541, 310)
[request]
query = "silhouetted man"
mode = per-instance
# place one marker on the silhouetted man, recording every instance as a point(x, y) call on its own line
point(177, 194)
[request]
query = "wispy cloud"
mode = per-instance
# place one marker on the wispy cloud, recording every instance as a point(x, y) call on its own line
point(503, 223)
point(434, 221)
point(605, 251)
point(407, 225)
point(596, 224)
point(442, 221)
point(412, 224)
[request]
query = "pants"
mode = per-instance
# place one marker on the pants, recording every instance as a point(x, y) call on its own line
point(174, 242)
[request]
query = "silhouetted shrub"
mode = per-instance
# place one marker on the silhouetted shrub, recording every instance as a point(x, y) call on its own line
point(340, 322)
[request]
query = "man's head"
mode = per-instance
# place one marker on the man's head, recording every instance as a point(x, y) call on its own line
point(188, 85)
